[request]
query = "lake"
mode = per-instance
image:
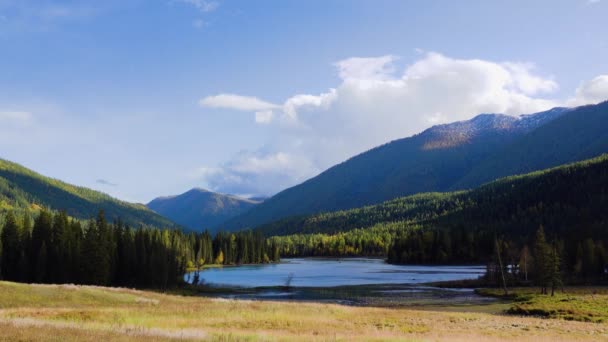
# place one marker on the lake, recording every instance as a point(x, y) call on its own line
point(322, 272)
point(352, 281)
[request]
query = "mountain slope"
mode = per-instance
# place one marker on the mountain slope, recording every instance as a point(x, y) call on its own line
point(434, 160)
point(578, 135)
point(199, 208)
point(514, 204)
point(21, 188)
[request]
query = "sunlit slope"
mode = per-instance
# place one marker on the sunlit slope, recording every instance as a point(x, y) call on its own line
point(21, 188)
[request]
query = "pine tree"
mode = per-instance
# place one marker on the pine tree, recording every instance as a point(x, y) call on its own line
point(41, 267)
point(542, 260)
point(25, 236)
point(41, 236)
point(524, 261)
point(95, 258)
point(555, 277)
point(11, 253)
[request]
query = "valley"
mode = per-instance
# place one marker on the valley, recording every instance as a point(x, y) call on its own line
point(329, 170)
point(472, 258)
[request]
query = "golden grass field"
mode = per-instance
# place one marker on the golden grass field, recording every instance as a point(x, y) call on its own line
point(68, 312)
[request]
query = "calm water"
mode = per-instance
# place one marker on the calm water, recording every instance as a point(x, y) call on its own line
point(317, 272)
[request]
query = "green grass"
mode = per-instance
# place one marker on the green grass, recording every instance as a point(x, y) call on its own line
point(585, 304)
point(50, 296)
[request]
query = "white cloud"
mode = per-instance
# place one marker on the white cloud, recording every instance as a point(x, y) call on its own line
point(294, 103)
point(523, 80)
point(263, 117)
point(202, 5)
point(377, 68)
point(251, 172)
point(593, 91)
point(373, 104)
point(237, 102)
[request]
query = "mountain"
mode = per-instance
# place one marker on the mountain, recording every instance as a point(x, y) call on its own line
point(516, 204)
point(21, 189)
point(454, 156)
point(578, 135)
point(200, 209)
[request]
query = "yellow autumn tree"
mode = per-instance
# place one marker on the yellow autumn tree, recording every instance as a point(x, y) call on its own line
point(220, 258)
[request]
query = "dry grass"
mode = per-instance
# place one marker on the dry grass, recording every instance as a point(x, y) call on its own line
point(34, 312)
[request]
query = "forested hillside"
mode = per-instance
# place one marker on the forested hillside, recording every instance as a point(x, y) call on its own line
point(200, 209)
point(444, 158)
point(21, 189)
point(463, 227)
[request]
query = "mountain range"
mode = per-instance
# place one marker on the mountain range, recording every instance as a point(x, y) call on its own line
point(448, 157)
point(200, 209)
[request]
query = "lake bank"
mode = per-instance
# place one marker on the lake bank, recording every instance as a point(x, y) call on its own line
point(380, 295)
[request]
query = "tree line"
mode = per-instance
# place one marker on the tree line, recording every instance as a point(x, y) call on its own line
point(54, 248)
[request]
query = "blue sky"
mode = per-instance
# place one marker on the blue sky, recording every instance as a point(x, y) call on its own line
point(147, 98)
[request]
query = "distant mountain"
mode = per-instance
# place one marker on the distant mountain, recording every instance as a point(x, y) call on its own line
point(447, 157)
point(24, 189)
point(199, 209)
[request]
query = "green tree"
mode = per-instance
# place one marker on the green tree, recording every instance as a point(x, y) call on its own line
point(11, 253)
point(542, 258)
point(41, 237)
point(555, 277)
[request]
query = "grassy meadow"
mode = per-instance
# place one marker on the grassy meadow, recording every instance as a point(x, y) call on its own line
point(585, 304)
point(68, 312)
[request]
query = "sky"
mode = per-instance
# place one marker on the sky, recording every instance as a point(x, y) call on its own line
point(145, 98)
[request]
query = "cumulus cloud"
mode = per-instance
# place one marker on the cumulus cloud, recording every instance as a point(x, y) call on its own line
point(237, 102)
point(526, 82)
point(377, 68)
point(593, 91)
point(249, 172)
point(375, 103)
